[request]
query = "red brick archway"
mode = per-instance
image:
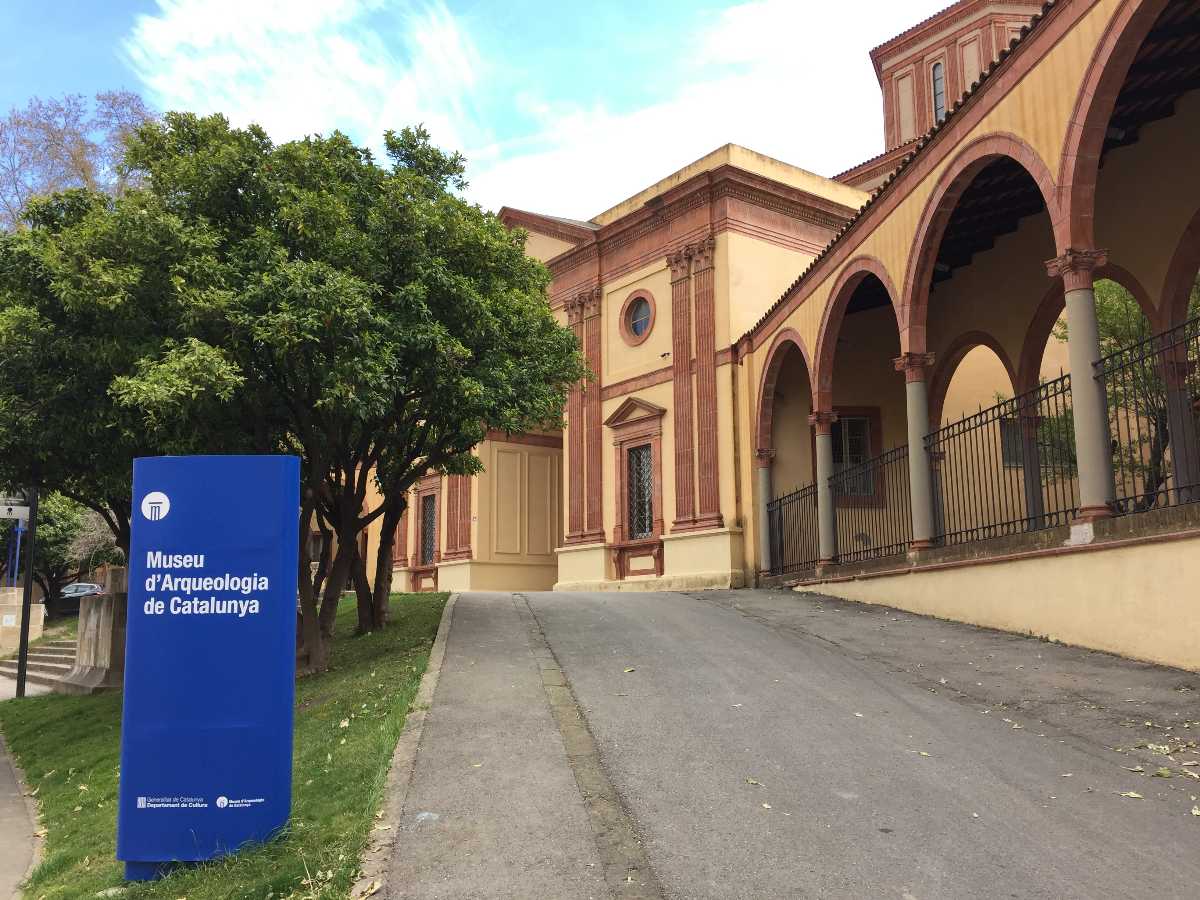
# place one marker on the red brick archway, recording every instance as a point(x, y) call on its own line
point(948, 362)
point(1181, 275)
point(785, 341)
point(851, 276)
point(956, 178)
point(1075, 226)
point(1038, 333)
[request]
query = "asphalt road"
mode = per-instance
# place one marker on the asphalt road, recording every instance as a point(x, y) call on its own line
point(768, 745)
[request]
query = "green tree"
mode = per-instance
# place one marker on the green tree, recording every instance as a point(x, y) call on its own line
point(1136, 391)
point(375, 323)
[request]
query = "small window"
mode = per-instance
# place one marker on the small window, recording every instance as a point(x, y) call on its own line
point(1012, 453)
point(428, 529)
point(852, 448)
point(939, 92)
point(639, 317)
point(641, 492)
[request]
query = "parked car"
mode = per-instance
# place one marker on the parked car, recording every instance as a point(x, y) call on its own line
point(69, 596)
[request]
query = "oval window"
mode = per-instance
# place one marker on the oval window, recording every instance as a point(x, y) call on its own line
point(639, 317)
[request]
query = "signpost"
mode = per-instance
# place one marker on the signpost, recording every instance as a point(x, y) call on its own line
point(22, 514)
point(210, 658)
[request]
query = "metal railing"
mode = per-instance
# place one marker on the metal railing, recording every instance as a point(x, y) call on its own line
point(1153, 393)
point(874, 516)
point(792, 528)
point(1006, 469)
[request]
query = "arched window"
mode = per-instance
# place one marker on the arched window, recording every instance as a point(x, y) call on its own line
point(939, 92)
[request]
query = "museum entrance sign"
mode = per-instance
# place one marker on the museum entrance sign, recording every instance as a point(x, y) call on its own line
point(206, 738)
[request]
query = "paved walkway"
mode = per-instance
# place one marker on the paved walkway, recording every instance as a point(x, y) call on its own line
point(768, 744)
point(16, 830)
point(493, 809)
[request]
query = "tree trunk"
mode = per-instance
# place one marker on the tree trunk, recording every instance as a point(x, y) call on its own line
point(339, 576)
point(313, 642)
point(383, 562)
point(362, 592)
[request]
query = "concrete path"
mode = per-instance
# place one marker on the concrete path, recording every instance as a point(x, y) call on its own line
point(768, 744)
point(493, 809)
point(16, 830)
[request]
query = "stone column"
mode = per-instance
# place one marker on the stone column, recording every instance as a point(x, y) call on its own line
point(1031, 470)
point(575, 431)
point(1093, 450)
point(763, 459)
point(681, 375)
point(1182, 424)
point(592, 420)
point(708, 514)
point(915, 367)
point(822, 423)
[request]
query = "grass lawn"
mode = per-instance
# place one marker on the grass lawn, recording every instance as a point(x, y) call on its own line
point(69, 748)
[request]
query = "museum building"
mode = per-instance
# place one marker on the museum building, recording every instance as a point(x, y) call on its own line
point(891, 385)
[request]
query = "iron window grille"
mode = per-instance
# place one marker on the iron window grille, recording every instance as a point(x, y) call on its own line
point(641, 491)
point(428, 529)
point(852, 448)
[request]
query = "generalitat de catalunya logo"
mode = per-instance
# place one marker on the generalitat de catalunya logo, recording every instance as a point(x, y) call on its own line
point(156, 505)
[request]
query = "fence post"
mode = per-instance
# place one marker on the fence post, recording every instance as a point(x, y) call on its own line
point(920, 477)
point(822, 423)
point(763, 460)
point(1181, 423)
point(1093, 453)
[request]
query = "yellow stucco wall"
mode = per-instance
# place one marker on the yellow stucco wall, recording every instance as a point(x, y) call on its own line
point(543, 247)
point(1099, 599)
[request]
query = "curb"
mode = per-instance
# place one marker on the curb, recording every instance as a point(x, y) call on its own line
point(378, 854)
point(31, 809)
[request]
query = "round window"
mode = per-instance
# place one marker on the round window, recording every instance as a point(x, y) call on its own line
point(639, 317)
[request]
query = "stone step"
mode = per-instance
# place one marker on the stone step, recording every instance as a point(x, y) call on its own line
point(31, 677)
point(62, 645)
point(50, 650)
point(49, 668)
point(38, 655)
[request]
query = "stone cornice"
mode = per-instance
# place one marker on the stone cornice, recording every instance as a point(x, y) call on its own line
point(722, 182)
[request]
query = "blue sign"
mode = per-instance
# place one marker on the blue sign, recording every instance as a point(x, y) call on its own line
point(210, 658)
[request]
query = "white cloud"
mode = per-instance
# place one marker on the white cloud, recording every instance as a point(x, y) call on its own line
point(785, 78)
point(298, 66)
point(791, 80)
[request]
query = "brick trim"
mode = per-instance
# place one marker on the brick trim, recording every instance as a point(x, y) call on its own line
point(785, 341)
point(681, 380)
point(554, 441)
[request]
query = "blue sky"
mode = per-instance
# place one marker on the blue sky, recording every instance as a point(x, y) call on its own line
point(560, 107)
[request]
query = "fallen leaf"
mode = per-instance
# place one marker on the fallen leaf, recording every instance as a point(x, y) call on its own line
point(629, 669)
point(1133, 795)
point(1067, 774)
point(752, 781)
point(1196, 810)
point(858, 715)
point(1161, 772)
point(345, 723)
point(476, 765)
point(766, 806)
point(1192, 762)
point(1134, 768)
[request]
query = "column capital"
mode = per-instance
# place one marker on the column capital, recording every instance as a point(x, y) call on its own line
point(1075, 267)
point(680, 263)
point(823, 421)
point(590, 301)
point(913, 365)
point(764, 456)
point(702, 253)
point(574, 308)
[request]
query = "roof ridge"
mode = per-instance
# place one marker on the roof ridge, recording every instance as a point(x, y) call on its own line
point(921, 143)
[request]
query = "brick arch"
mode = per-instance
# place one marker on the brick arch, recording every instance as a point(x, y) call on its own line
point(1038, 333)
point(1094, 104)
point(1181, 275)
point(784, 342)
point(947, 365)
point(848, 280)
point(954, 180)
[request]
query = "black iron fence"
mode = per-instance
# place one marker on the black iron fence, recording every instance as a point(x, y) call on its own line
point(792, 529)
point(874, 516)
point(1006, 469)
point(1153, 393)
